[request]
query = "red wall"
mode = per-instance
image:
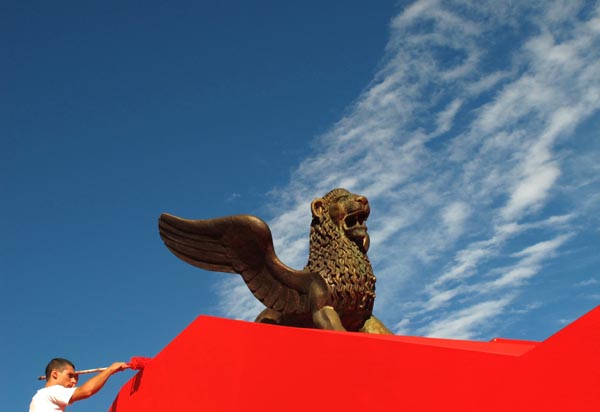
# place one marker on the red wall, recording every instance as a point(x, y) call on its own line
point(225, 365)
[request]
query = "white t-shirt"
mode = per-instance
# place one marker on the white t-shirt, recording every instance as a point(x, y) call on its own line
point(50, 399)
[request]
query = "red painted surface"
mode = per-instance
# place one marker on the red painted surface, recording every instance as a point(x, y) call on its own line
point(225, 365)
point(137, 363)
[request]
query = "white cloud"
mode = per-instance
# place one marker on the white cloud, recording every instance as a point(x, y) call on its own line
point(531, 191)
point(454, 217)
point(465, 141)
point(465, 323)
point(588, 282)
point(468, 259)
point(440, 298)
point(402, 327)
point(236, 301)
point(232, 197)
point(415, 10)
point(486, 82)
point(445, 118)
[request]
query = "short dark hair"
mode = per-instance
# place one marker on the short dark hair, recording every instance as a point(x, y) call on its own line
point(59, 364)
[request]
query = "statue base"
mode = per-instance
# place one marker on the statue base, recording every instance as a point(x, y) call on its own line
point(226, 365)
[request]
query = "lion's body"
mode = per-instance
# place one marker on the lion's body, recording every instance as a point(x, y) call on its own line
point(347, 271)
point(335, 290)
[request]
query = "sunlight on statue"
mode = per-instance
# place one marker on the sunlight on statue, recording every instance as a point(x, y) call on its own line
point(335, 290)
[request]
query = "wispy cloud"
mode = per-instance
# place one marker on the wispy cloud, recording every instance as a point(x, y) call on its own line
point(465, 142)
point(588, 282)
point(529, 264)
point(463, 324)
point(232, 197)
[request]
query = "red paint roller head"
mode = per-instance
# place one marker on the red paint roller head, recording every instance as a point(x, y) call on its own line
point(138, 362)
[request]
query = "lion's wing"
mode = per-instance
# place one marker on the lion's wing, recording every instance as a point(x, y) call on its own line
point(240, 244)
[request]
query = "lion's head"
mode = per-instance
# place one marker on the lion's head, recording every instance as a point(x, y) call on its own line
point(348, 213)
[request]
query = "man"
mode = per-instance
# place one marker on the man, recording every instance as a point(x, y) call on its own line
point(60, 389)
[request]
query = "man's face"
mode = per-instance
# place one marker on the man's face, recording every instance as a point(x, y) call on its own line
point(67, 377)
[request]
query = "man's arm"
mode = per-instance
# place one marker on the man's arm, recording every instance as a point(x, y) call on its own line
point(94, 384)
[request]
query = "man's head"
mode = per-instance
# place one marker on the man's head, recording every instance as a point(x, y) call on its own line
point(61, 371)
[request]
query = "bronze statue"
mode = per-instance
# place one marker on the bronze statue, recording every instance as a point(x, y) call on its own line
point(335, 290)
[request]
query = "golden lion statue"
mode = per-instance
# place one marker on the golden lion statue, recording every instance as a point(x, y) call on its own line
point(335, 290)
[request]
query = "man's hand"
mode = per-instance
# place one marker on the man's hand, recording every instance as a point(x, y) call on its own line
point(118, 367)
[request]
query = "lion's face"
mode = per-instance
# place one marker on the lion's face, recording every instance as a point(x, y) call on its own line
point(348, 212)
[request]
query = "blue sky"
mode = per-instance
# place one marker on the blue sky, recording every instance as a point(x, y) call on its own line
point(472, 129)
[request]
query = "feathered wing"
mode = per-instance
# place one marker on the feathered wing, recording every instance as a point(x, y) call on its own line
point(241, 244)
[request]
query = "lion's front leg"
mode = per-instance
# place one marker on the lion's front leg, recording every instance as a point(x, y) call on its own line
point(374, 325)
point(323, 315)
point(327, 318)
